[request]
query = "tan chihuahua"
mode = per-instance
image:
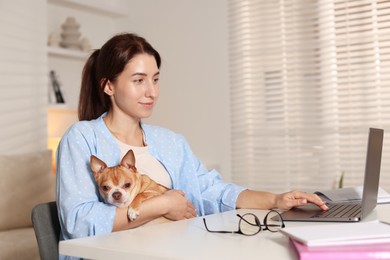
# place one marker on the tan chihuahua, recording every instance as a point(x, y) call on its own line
point(123, 186)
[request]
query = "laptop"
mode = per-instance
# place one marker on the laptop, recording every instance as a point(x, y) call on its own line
point(349, 211)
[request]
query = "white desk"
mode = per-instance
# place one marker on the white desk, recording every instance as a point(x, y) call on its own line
point(188, 239)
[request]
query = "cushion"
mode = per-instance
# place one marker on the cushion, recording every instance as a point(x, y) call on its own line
point(19, 244)
point(26, 180)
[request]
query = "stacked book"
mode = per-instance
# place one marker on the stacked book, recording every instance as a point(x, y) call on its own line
point(58, 96)
point(363, 240)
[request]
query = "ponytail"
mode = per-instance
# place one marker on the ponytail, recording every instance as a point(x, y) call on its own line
point(92, 101)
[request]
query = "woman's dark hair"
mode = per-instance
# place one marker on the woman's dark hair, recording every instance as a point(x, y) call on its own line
point(105, 65)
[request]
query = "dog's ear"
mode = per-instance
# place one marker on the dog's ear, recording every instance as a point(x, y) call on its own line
point(128, 161)
point(97, 165)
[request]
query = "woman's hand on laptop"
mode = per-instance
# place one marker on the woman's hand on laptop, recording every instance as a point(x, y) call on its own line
point(252, 199)
point(297, 198)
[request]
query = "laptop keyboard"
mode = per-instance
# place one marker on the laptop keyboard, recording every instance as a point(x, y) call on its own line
point(340, 211)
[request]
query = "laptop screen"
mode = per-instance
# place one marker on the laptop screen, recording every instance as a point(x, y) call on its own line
point(372, 171)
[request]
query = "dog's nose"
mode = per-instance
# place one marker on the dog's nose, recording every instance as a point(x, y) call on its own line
point(117, 195)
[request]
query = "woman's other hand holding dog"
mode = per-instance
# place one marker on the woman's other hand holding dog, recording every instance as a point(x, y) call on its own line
point(172, 205)
point(177, 206)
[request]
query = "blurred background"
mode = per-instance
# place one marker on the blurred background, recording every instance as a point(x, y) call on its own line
point(274, 94)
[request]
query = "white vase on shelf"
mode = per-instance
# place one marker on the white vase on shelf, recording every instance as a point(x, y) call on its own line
point(85, 45)
point(54, 39)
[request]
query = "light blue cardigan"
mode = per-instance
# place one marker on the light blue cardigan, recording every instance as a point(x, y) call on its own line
point(81, 210)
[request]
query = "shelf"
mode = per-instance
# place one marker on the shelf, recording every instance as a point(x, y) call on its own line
point(67, 53)
point(103, 7)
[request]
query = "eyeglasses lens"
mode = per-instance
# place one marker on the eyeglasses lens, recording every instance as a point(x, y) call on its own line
point(249, 225)
point(273, 221)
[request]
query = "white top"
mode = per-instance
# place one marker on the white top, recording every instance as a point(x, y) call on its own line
point(147, 164)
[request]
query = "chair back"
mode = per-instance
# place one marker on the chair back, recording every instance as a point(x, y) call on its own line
point(47, 229)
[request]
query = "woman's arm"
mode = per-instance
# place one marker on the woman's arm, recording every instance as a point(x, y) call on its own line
point(171, 205)
point(80, 211)
point(266, 200)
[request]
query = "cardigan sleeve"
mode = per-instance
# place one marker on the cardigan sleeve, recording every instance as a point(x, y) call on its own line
point(81, 212)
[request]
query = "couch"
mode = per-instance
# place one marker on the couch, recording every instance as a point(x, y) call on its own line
point(26, 180)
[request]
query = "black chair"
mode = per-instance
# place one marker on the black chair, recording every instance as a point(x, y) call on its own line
point(47, 229)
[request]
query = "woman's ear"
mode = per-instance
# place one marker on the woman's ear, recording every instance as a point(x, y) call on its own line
point(108, 88)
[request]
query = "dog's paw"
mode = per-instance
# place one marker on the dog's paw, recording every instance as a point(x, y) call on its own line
point(132, 214)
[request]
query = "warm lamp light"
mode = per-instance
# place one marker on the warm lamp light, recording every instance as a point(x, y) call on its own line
point(52, 145)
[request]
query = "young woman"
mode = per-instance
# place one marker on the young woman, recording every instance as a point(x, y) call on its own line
point(120, 87)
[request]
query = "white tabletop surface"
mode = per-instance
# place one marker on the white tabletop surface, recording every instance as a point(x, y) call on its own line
point(188, 239)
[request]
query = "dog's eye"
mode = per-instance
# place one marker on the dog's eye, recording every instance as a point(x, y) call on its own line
point(105, 188)
point(127, 185)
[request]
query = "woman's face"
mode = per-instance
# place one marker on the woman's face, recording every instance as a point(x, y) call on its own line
point(135, 91)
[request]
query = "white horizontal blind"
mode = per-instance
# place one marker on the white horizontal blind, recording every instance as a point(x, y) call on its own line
point(23, 73)
point(308, 78)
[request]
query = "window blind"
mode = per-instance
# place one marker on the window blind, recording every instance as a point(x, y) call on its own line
point(23, 73)
point(308, 78)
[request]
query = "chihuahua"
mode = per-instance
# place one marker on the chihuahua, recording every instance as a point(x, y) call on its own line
point(123, 186)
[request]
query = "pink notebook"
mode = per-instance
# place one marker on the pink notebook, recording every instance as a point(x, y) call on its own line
point(345, 252)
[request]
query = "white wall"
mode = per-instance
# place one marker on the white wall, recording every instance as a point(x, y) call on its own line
point(191, 37)
point(23, 74)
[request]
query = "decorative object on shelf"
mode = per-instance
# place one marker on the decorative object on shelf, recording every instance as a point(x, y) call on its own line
point(70, 34)
point(56, 88)
point(85, 45)
point(54, 39)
